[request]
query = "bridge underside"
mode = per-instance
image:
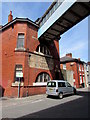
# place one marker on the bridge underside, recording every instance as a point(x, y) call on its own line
point(77, 12)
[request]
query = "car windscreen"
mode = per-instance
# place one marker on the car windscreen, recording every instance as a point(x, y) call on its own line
point(51, 84)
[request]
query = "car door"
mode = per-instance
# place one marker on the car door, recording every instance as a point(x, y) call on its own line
point(62, 87)
point(69, 88)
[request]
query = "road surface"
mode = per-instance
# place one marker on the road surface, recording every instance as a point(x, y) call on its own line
point(39, 106)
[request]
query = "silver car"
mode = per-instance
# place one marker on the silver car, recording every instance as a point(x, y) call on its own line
point(59, 88)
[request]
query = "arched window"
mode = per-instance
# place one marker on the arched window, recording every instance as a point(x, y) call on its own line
point(43, 77)
point(43, 49)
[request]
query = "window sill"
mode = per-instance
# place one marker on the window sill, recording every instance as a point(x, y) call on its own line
point(64, 69)
point(17, 84)
point(40, 84)
point(20, 49)
point(42, 54)
point(72, 64)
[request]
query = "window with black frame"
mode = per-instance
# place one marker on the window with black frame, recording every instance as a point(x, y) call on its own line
point(18, 69)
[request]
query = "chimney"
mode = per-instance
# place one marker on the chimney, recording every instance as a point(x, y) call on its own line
point(79, 59)
point(69, 55)
point(0, 26)
point(10, 17)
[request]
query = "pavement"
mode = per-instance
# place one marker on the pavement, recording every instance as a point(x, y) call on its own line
point(6, 101)
point(84, 89)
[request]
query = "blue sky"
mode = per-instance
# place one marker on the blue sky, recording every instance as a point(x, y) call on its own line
point(31, 10)
point(74, 41)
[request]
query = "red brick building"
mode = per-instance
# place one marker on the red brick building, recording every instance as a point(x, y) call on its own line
point(88, 73)
point(36, 61)
point(75, 65)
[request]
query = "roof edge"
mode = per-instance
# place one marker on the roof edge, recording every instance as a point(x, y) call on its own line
point(71, 60)
point(19, 19)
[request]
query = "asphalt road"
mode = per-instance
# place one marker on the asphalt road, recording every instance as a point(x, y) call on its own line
point(72, 106)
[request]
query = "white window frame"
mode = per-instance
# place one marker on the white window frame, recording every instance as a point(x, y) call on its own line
point(83, 78)
point(79, 68)
point(64, 66)
point(80, 79)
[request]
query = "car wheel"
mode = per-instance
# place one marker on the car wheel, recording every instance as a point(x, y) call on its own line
point(60, 95)
point(48, 96)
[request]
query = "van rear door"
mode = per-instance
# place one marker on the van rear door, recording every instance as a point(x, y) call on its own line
point(51, 87)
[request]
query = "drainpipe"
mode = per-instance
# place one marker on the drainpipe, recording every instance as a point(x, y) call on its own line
point(78, 74)
point(28, 74)
point(19, 88)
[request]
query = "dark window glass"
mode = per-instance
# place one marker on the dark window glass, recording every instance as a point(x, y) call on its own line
point(20, 41)
point(48, 53)
point(43, 77)
point(61, 84)
point(45, 50)
point(41, 49)
point(68, 85)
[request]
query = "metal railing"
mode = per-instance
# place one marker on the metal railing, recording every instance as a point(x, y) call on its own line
point(51, 11)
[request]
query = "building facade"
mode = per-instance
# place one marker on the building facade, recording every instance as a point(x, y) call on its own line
point(88, 73)
point(27, 60)
point(77, 66)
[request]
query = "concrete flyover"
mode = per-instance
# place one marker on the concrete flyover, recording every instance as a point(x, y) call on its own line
point(61, 16)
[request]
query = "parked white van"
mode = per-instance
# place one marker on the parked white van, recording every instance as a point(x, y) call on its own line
point(59, 88)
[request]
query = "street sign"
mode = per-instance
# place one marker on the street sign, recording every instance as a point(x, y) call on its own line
point(19, 74)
